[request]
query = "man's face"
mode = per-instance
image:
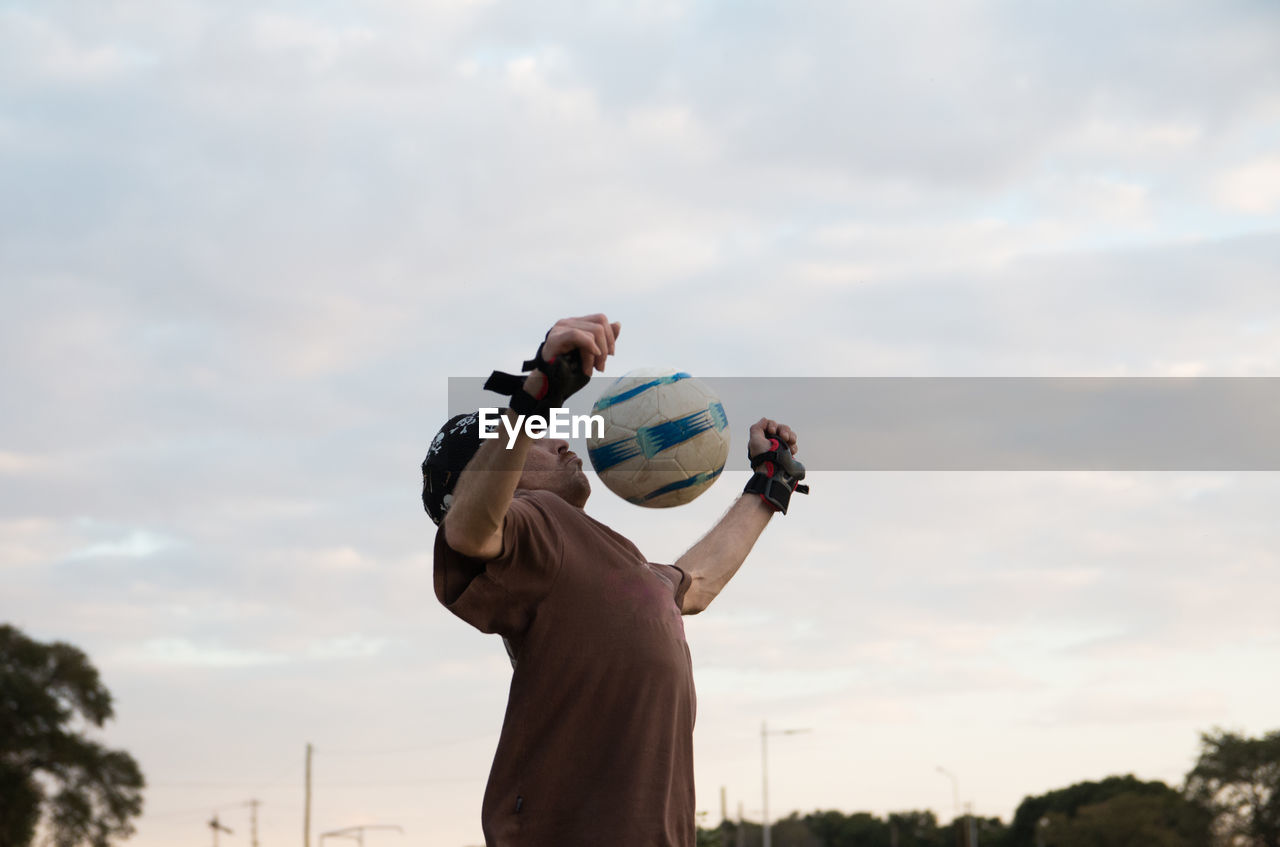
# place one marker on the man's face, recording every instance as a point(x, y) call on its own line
point(551, 466)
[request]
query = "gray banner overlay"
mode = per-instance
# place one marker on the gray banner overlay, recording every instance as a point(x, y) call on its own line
point(992, 423)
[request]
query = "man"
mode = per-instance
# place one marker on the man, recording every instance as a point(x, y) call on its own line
point(597, 743)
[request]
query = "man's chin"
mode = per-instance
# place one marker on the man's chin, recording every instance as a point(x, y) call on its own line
point(574, 488)
point(582, 491)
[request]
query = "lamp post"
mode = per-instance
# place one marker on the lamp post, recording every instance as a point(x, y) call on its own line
point(765, 732)
point(359, 832)
point(955, 793)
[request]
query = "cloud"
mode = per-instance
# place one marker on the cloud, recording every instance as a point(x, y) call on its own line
point(28, 541)
point(348, 647)
point(136, 544)
point(17, 464)
point(178, 652)
point(1252, 188)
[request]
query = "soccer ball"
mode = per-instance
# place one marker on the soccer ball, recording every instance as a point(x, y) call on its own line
point(666, 438)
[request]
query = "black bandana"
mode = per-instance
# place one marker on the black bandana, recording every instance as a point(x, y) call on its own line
point(451, 449)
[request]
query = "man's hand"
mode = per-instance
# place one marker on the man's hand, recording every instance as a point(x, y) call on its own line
point(593, 336)
point(764, 429)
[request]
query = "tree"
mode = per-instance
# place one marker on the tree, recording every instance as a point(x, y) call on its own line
point(792, 831)
point(87, 793)
point(917, 829)
point(992, 832)
point(861, 829)
point(1238, 779)
point(1151, 820)
point(1067, 801)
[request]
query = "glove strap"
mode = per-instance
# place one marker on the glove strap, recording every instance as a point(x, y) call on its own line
point(777, 475)
point(564, 377)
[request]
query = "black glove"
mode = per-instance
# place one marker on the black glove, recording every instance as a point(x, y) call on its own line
point(777, 474)
point(564, 377)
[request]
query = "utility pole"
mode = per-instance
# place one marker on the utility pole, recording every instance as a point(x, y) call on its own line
point(253, 822)
point(765, 732)
point(217, 827)
point(306, 820)
point(764, 780)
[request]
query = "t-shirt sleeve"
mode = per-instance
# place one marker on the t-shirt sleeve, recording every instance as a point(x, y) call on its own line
point(502, 594)
point(679, 580)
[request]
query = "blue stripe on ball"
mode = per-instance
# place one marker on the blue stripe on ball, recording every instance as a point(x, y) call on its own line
point(615, 452)
point(718, 416)
point(615, 399)
point(654, 439)
point(697, 479)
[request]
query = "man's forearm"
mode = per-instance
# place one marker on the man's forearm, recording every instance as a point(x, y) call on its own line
point(473, 524)
point(713, 561)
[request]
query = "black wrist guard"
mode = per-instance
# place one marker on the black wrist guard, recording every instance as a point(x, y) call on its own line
point(564, 376)
point(777, 474)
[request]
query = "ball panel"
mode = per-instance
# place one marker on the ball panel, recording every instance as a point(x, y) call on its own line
point(665, 439)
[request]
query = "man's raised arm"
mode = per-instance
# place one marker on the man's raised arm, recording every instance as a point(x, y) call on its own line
point(713, 561)
point(474, 522)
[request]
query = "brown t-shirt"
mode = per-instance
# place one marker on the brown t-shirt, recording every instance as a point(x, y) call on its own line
point(597, 743)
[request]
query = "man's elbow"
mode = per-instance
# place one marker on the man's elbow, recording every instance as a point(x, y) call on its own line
point(473, 545)
point(695, 600)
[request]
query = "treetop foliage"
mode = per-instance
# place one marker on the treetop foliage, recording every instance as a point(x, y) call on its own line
point(1238, 779)
point(86, 793)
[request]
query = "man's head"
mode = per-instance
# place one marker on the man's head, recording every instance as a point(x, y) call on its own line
point(450, 451)
point(549, 466)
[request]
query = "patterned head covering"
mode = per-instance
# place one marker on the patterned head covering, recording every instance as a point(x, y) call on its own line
point(451, 449)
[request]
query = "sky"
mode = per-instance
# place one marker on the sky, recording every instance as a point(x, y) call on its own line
point(243, 246)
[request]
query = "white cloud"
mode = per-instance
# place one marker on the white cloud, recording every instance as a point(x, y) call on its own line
point(1107, 138)
point(28, 541)
point(1252, 188)
point(344, 558)
point(180, 652)
point(18, 464)
point(347, 647)
point(43, 50)
point(136, 544)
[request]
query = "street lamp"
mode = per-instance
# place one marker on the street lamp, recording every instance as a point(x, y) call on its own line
point(955, 793)
point(764, 772)
point(359, 832)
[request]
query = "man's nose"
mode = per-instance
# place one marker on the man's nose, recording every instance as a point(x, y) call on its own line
point(560, 445)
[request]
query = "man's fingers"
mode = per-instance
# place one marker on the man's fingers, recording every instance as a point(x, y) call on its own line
point(606, 332)
point(605, 337)
point(600, 331)
point(768, 428)
point(592, 335)
point(588, 345)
